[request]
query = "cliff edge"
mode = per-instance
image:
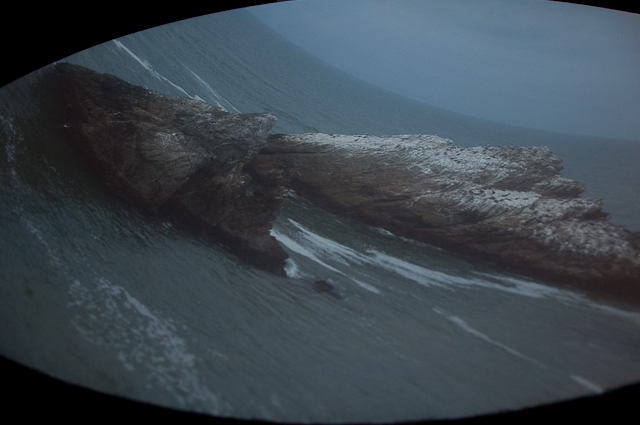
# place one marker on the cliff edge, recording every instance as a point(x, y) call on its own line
point(173, 154)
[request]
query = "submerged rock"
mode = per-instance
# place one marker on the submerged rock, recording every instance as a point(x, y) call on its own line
point(174, 154)
point(509, 205)
point(324, 287)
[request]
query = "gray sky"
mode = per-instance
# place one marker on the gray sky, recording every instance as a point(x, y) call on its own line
point(547, 65)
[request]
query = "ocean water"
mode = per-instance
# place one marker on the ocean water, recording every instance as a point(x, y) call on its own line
point(96, 293)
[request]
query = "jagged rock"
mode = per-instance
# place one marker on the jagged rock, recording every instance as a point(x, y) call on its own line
point(161, 152)
point(506, 204)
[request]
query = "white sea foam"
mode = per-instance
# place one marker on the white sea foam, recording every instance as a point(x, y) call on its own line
point(323, 247)
point(366, 286)
point(525, 287)
point(110, 317)
point(428, 277)
point(218, 100)
point(587, 384)
point(296, 247)
point(148, 67)
point(463, 325)
point(291, 269)
point(512, 285)
point(411, 271)
point(144, 63)
point(316, 247)
point(216, 95)
point(383, 231)
point(537, 290)
point(332, 249)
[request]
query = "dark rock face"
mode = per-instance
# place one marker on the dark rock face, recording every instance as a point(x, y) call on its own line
point(183, 155)
point(505, 204)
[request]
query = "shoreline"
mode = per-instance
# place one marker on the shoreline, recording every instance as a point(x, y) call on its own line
point(226, 175)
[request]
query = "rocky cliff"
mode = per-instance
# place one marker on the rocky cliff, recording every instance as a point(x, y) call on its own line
point(173, 154)
point(505, 204)
point(225, 175)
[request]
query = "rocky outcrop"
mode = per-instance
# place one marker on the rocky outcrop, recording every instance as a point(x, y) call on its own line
point(173, 154)
point(505, 204)
point(225, 175)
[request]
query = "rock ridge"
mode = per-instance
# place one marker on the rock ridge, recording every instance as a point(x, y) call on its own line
point(509, 205)
point(226, 175)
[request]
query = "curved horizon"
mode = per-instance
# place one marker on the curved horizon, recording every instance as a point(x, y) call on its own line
point(538, 65)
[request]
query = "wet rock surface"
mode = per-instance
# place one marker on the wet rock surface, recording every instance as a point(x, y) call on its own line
point(184, 156)
point(509, 205)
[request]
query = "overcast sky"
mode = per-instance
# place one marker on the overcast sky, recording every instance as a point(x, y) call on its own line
point(540, 64)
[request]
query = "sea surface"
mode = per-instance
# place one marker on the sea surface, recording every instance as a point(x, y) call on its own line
point(94, 292)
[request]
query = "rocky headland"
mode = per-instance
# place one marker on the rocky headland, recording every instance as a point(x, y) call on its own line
point(224, 174)
point(504, 204)
point(184, 156)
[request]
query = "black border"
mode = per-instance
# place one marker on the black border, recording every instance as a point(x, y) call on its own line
point(30, 395)
point(33, 36)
